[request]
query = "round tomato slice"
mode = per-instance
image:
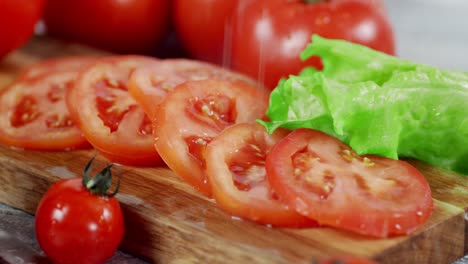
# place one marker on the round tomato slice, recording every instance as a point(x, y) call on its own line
point(149, 85)
point(235, 166)
point(324, 179)
point(71, 63)
point(108, 116)
point(196, 111)
point(33, 114)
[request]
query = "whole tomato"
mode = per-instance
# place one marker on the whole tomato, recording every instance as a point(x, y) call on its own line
point(130, 26)
point(17, 21)
point(269, 35)
point(77, 221)
point(202, 26)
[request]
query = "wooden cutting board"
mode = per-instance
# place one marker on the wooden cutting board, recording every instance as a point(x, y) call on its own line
point(168, 222)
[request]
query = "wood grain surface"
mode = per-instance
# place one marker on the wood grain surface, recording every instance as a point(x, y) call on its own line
point(169, 222)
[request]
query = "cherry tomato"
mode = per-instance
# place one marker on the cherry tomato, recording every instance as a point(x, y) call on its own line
point(268, 35)
point(149, 85)
point(108, 116)
point(235, 166)
point(17, 21)
point(72, 63)
point(76, 223)
point(33, 114)
point(196, 111)
point(324, 179)
point(130, 26)
point(203, 32)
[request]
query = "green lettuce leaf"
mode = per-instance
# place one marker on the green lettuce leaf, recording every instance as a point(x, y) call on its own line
point(378, 104)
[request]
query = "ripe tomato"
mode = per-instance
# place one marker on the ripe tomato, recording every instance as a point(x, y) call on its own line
point(131, 26)
point(72, 63)
point(149, 85)
point(75, 225)
point(17, 21)
point(193, 113)
point(324, 179)
point(108, 116)
point(269, 35)
point(33, 114)
point(235, 166)
point(204, 32)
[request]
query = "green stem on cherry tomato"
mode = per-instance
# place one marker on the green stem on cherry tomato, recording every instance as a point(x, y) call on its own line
point(100, 183)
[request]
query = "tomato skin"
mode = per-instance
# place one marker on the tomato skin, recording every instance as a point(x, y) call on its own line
point(322, 178)
point(131, 26)
point(61, 64)
point(75, 226)
point(236, 173)
point(202, 32)
point(192, 114)
point(268, 35)
point(17, 21)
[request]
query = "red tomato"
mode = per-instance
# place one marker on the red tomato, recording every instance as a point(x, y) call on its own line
point(324, 179)
point(193, 113)
point(345, 260)
point(17, 21)
point(235, 166)
point(74, 225)
point(108, 116)
point(130, 26)
point(203, 32)
point(149, 85)
point(269, 35)
point(33, 114)
point(72, 63)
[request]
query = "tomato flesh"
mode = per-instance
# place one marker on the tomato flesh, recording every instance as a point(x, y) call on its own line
point(195, 112)
point(324, 179)
point(235, 162)
point(33, 114)
point(149, 85)
point(109, 117)
point(67, 63)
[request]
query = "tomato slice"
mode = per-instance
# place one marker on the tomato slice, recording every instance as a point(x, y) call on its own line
point(108, 116)
point(196, 111)
point(324, 179)
point(33, 114)
point(70, 63)
point(235, 166)
point(149, 85)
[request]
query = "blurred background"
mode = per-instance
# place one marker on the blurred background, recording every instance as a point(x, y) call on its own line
point(431, 31)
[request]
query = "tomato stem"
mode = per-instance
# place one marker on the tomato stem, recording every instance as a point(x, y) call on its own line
point(100, 183)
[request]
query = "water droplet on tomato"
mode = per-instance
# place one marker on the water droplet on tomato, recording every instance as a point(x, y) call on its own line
point(301, 206)
point(419, 213)
point(398, 227)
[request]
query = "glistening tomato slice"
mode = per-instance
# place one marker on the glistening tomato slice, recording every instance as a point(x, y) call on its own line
point(33, 114)
point(235, 166)
point(108, 116)
point(71, 63)
point(324, 179)
point(150, 84)
point(193, 113)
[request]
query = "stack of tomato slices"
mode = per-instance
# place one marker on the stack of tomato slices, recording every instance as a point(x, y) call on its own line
point(200, 120)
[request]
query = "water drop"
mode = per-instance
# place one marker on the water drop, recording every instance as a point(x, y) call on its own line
point(419, 213)
point(398, 226)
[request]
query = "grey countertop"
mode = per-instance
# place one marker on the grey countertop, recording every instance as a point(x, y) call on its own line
point(427, 31)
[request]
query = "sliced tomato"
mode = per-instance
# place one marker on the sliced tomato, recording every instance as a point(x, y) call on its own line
point(33, 114)
point(71, 63)
point(196, 111)
point(235, 167)
point(324, 179)
point(108, 116)
point(150, 84)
